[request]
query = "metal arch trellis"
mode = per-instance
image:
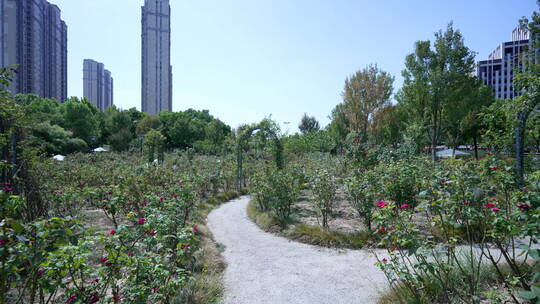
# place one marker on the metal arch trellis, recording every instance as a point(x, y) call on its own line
point(246, 134)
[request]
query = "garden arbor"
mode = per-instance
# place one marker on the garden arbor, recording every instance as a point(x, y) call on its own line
point(269, 129)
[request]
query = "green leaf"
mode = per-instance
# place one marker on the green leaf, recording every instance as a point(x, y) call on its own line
point(527, 295)
point(536, 290)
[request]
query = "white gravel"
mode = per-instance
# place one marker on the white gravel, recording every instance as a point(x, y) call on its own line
point(264, 268)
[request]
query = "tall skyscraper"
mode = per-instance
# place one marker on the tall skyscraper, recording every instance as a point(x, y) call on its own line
point(33, 36)
point(498, 70)
point(97, 84)
point(156, 57)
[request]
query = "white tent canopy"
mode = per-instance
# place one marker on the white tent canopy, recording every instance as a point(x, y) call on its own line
point(100, 149)
point(59, 157)
point(451, 152)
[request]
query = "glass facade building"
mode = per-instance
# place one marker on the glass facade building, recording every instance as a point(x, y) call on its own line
point(97, 84)
point(156, 76)
point(34, 38)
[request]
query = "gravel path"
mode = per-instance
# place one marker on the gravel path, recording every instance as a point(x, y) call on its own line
point(263, 268)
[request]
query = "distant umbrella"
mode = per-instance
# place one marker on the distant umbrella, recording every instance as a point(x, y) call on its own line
point(100, 149)
point(59, 157)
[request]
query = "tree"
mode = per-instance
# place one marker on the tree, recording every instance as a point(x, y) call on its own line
point(149, 122)
point(82, 118)
point(462, 116)
point(53, 139)
point(433, 79)
point(339, 126)
point(471, 125)
point(154, 143)
point(116, 120)
point(121, 140)
point(388, 125)
point(308, 124)
point(527, 80)
point(365, 93)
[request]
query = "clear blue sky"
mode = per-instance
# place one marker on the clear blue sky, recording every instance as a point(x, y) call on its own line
point(246, 59)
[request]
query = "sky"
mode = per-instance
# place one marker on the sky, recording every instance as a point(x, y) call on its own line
point(245, 60)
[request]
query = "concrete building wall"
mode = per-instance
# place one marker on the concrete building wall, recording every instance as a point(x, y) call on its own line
point(498, 71)
point(9, 31)
point(156, 76)
point(34, 37)
point(97, 84)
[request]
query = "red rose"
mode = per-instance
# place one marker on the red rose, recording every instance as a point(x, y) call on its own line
point(381, 204)
point(141, 221)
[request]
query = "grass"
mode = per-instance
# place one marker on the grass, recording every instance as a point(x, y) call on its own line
point(265, 221)
point(314, 235)
point(207, 285)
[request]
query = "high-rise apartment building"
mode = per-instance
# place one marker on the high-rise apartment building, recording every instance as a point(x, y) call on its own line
point(156, 57)
point(498, 71)
point(97, 84)
point(33, 37)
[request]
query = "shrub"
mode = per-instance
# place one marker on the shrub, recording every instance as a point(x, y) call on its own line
point(324, 189)
point(361, 196)
point(276, 191)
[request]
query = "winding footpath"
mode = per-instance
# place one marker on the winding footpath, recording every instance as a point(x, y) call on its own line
point(264, 268)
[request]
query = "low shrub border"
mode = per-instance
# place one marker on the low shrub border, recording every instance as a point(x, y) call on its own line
point(207, 286)
point(309, 234)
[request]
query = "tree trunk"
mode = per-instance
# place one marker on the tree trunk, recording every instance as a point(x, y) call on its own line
point(520, 143)
point(433, 149)
point(475, 139)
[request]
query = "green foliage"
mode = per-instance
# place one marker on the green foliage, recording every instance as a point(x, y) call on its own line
point(468, 207)
point(361, 197)
point(154, 143)
point(148, 123)
point(275, 192)
point(308, 124)
point(324, 190)
point(184, 129)
point(121, 140)
point(315, 141)
point(316, 235)
point(53, 139)
point(365, 93)
point(437, 78)
point(81, 117)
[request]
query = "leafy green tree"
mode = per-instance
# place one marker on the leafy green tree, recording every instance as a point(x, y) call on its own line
point(308, 124)
point(462, 116)
point(53, 139)
point(183, 129)
point(388, 125)
point(434, 78)
point(365, 93)
point(121, 140)
point(533, 131)
point(154, 143)
point(527, 80)
point(319, 141)
point(147, 123)
point(81, 117)
point(339, 125)
point(497, 126)
point(39, 109)
point(116, 120)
